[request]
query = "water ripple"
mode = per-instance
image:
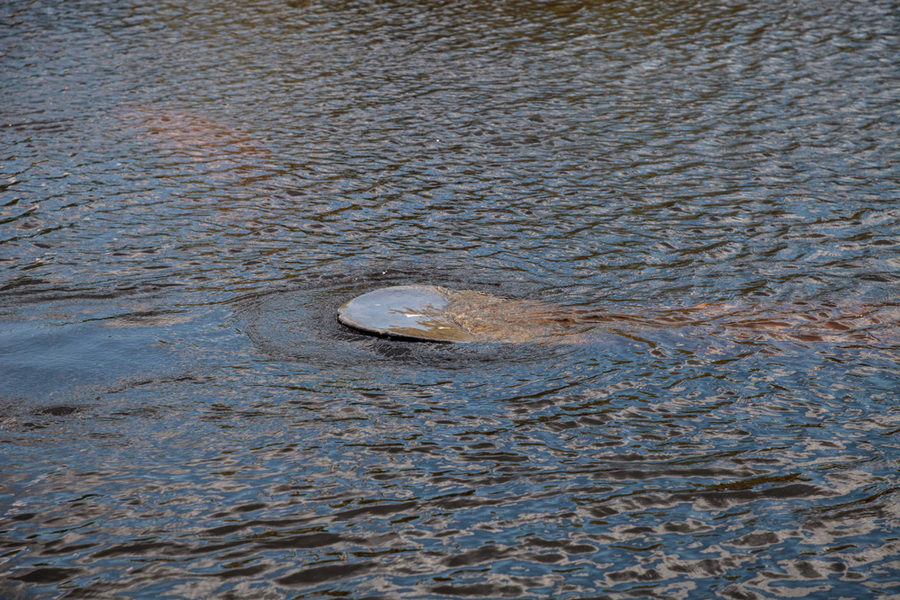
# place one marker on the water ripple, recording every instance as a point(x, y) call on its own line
point(705, 192)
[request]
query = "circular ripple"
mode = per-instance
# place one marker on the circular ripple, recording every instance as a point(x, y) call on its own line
point(299, 322)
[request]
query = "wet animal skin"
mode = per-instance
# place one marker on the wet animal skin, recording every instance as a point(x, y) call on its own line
point(475, 316)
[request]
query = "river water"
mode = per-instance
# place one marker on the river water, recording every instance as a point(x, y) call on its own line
point(190, 190)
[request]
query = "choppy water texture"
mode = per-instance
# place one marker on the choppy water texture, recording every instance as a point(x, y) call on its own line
point(190, 190)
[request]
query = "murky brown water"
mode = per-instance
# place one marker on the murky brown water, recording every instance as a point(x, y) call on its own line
point(684, 213)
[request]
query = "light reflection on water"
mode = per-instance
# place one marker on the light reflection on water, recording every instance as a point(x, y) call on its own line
point(189, 192)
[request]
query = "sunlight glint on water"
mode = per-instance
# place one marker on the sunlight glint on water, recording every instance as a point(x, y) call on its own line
point(703, 194)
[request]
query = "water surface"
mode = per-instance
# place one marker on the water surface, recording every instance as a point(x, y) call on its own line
point(189, 191)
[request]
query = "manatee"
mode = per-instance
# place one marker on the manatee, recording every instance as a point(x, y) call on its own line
point(437, 314)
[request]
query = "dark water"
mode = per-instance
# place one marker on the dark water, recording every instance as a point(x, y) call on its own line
point(189, 190)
